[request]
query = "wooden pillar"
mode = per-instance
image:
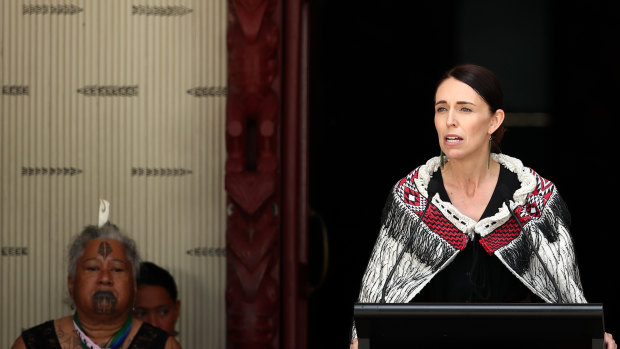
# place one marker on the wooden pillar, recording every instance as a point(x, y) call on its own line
point(253, 176)
point(266, 175)
point(295, 175)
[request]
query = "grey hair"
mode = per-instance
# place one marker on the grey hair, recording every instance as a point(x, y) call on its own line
point(107, 231)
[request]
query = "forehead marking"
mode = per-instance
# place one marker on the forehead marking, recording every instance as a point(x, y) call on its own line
point(104, 249)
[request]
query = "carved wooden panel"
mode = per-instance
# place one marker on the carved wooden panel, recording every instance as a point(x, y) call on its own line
point(253, 175)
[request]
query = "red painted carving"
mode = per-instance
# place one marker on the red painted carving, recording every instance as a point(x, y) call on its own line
point(252, 105)
point(250, 190)
point(253, 176)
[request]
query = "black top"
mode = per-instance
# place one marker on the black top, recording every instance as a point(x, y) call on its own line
point(43, 336)
point(474, 276)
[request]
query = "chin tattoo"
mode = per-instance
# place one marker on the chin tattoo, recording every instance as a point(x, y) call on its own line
point(104, 302)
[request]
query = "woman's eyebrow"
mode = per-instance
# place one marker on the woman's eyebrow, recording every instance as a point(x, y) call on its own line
point(458, 102)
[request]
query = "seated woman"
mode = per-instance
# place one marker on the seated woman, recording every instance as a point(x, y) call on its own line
point(103, 264)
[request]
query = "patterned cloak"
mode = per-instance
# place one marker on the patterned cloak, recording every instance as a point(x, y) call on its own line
point(438, 232)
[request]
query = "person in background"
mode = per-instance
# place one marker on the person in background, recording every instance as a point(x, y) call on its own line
point(157, 301)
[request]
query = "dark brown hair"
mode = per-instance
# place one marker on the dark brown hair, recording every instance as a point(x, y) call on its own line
point(153, 274)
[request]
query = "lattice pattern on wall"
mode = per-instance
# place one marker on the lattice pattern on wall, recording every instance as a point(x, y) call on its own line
point(96, 103)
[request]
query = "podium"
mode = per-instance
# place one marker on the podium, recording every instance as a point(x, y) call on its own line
point(479, 325)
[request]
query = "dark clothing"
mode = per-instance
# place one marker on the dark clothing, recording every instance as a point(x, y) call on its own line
point(149, 337)
point(476, 276)
point(43, 336)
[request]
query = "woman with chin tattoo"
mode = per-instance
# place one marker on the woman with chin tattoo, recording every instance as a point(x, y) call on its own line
point(103, 266)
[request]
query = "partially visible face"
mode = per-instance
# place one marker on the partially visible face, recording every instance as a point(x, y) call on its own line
point(463, 120)
point(154, 305)
point(103, 284)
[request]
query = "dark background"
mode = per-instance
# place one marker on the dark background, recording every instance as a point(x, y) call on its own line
point(373, 70)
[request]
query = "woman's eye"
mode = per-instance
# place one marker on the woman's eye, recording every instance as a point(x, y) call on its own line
point(465, 109)
point(440, 109)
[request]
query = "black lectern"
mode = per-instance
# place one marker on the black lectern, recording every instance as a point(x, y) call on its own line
point(476, 325)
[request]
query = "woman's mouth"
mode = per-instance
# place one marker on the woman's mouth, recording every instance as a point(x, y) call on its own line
point(453, 139)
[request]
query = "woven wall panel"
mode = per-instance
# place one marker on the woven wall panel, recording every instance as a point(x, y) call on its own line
point(123, 101)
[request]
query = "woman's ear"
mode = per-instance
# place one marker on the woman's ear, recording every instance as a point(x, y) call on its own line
point(496, 120)
point(177, 308)
point(70, 286)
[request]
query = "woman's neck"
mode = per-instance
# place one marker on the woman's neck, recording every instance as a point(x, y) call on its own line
point(467, 176)
point(101, 330)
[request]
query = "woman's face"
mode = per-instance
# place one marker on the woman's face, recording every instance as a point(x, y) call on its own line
point(155, 306)
point(103, 284)
point(464, 121)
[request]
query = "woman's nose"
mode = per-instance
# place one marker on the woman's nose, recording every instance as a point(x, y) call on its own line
point(451, 120)
point(105, 277)
point(151, 318)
